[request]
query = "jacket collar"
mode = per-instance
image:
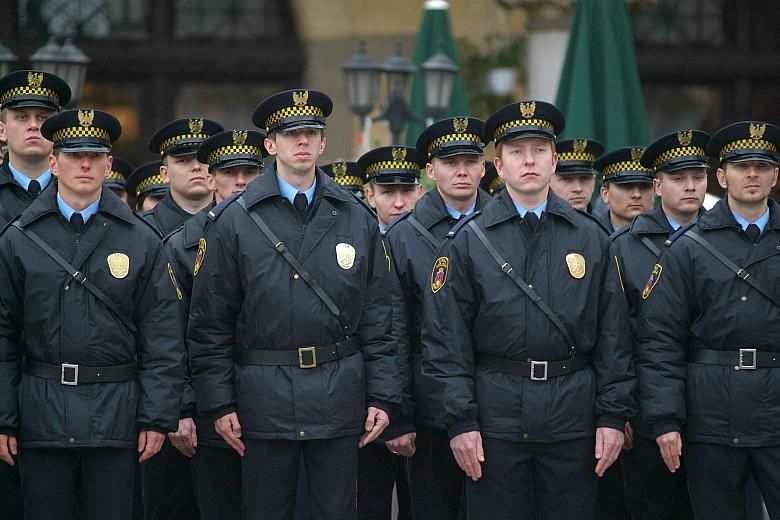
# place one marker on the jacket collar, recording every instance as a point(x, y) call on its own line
point(430, 209)
point(503, 208)
point(46, 203)
point(651, 222)
point(720, 216)
point(266, 186)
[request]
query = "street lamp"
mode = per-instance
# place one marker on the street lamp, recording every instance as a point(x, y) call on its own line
point(362, 76)
point(66, 61)
point(439, 73)
point(398, 70)
point(6, 58)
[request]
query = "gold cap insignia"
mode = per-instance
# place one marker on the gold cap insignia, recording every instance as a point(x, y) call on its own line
point(118, 264)
point(199, 256)
point(439, 273)
point(576, 264)
point(757, 130)
point(579, 145)
point(239, 136)
point(34, 79)
point(174, 282)
point(300, 98)
point(86, 117)
point(654, 277)
point(684, 138)
point(339, 169)
point(345, 255)
point(399, 154)
point(460, 124)
point(528, 109)
point(636, 154)
point(196, 125)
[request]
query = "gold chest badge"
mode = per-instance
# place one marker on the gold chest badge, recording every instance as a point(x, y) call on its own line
point(576, 264)
point(199, 256)
point(118, 264)
point(345, 255)
point(439, 273)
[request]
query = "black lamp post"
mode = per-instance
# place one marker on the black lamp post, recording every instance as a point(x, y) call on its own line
point(398, 70)
point(6, 59)
point(439, 73)
point(362, 76)
point(66, 61)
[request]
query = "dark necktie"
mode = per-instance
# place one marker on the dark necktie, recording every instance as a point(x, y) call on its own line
point(753, 232)
point(461, 217)
point(300, 202)
point(34, 188)
point(532, 220)
point(77, 221)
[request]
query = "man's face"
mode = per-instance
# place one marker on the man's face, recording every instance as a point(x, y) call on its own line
point(682, 191)
point(628, 200)
point(81, 173)
point(22, 132)
point(226, 181)
point(574, 189)
point(149, 202)
point(297, 150)
point(526, 165)
point(457, 177)
point(186, 176)
point(748, 182)
point(390, 200)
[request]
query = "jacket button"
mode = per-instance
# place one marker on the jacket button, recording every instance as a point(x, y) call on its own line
point(296, 276)
point(735, 440)
point(67, 287)
point(530, 286)
point(744, 299)
point(72, 440)
point(301, 434)
point(525, 436)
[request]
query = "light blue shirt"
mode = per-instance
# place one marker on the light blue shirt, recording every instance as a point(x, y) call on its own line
point(522, 211)
point(761, 222)
point(86, 213)
point(24, 181)
point(456, 214)
point(673, 223)
point(289, 191)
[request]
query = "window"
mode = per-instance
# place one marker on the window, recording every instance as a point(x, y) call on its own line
point(88, 18)
point(227, 19)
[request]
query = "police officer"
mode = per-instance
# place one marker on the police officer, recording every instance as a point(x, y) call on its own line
point(453, 149)
point(707, 351)
point(528, 394)
point(679, 161)
point(393, 174)
point(491, 182)
point(116, 178)
point(575, 179)
point(290, 321)
point(177, 143)
point(348, 175)
point(626, 187)
point(27, 98)
point(90, 341)
point(145, 187)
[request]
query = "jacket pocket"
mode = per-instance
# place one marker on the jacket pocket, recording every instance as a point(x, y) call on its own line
point(41, 410)
point(114, 411)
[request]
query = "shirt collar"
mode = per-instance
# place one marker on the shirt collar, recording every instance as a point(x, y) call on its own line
point(456, 214)
point(24, 181)
point(744, 223)
point(289, 191)
point(86, 213)
point(675, 225)
point(539, 210)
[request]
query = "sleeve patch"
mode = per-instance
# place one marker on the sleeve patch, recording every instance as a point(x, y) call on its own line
point(439, 273)
point(652, 281)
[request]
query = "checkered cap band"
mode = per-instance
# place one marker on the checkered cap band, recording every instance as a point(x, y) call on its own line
point(519, 123)
point(81, 131)
point(235, 149)
point(29, 91)
point(149, 181)
point(114, 175)
point(576, 156)
point(625, 167)
point(450, 138)
point(348, 180)
point(172, 141)
point(675, 153)
point(747, 144)
point(391, 165)
point(495, 184)
point(286, 112)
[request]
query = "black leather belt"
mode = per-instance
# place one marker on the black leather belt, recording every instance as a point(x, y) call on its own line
point(73, 375)
point(740, 359)
point(303, 357)
point(534, 370)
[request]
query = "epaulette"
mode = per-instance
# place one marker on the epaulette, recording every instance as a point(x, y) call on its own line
point(219, 208)
point(462, 222)
point(151, 226)
point(596, 220)
point(178, 228)
point(620, 232)
point(677, 234)
point(400, 217)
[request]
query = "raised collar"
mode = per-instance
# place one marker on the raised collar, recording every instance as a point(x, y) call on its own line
point(651, 222)
point(720, 216)
point(267, 186)
point(504, 209)
point(430, 209)
point(46, 203)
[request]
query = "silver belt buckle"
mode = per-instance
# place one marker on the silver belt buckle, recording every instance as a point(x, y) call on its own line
point(752, 364)
point(64, 379)
point(535, 364)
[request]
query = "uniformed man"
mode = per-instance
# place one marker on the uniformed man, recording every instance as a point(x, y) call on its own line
point(575, 179)
point(90, 337)
point(525, 391)
point(27, 98)
point(491, 182)
point(393, 174)
point(626, 187)
point(290, 321)
point(116, 178)
point(177, 143)
point(707, 351)
point(453, 150)
point(146, 187)
point(348, 175)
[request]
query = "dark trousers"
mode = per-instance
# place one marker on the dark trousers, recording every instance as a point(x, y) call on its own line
point(270, 470)
point(11, 492)
point(559, 477)
point(217, 474)
point(653, 491)
point(166, 480)
point(96, 482)
point(435, 479)
point(718, 475)
point(611, 498)
point(379, 471)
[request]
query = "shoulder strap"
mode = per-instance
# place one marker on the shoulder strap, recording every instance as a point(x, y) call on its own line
point(741, 273)
point(649, 244)
point(78, 276)
point(296, 265)
point(424, 232)
point(528, 290)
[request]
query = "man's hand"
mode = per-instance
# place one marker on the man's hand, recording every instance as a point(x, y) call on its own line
point(628, 437)
point(149, 444)
point(671, 449)
point(185, 439)
point(8, 448)
point(229, 429)
point(403, 445)
point(376, 422)
point(467, 448)
point(609, 442)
